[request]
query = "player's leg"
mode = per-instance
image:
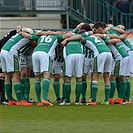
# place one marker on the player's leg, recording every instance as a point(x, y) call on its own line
point(2, 90)
point(106, 76)
point(113, 88)
point(68, 70)
point(56, 71)
point(79, 61)
point(45, 68)
point(27, 85)
point(22, 80)
point(124, 64)
point(107, 87)
point(84, 87)
point(127, 99)
point(94, 88)
point(37, 86)
point(56, 86)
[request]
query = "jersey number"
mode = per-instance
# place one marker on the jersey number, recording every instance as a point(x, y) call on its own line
point(96, 39)
point(47, 39)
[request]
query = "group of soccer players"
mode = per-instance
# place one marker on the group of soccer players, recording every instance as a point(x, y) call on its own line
point(92, 49)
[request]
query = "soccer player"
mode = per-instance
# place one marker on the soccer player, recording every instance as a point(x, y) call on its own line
point(74, 59)
point(2, 75)
point(128, 47)
point(45, 48)
point(10, 66)
point(87, 68)
point(57, 69)
point(120, 67)
point(25, 54)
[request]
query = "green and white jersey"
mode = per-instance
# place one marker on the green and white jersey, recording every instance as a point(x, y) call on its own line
point(48, 43)
point(96, 44)
point(58, 56)
point(73, 47)
point(118, 50)
point(15, 43)
point(125, 41)
point(88, 52)
point(26, 50)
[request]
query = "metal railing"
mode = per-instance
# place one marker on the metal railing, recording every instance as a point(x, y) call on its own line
point(33, 4)
point(100, 10)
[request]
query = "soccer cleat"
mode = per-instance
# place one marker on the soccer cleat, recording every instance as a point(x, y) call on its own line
point(62, 100)
point(47, 103)
point(111, 101)
point(58, 100)
point(18, 103)
point(30, 100)
point(127, 102)
point(12, 102)
point(118, 101)
point(104, 103)
point(25, 103)
point(78, 103)
point(5, 103)
point(64, 103)
point(91, 102)
point(39, 104)
point(83, 101)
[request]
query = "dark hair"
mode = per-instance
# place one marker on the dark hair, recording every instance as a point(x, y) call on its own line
point(86, 27)
point(104, 24)
point(99, 25)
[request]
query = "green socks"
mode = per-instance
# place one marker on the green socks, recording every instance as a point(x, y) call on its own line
point(127, 95)
point(56, 86)
point(8, 89)
point(63, 91)
point(84, 87)
point(18, 90)
point(94, 89)
point(37, 87)
point(22, 82)
point(78, 90)
point(107, 92)
point(67, 91)
point(25, 86)
point(45, 88)
point(113, 87)
point(123, 88)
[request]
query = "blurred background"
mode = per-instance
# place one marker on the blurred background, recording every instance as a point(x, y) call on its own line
point(63, 14)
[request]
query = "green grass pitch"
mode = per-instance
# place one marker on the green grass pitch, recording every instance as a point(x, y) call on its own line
point(68, 119)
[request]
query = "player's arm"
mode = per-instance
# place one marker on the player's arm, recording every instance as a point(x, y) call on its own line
point(112, 41)
point(113, 36)
point(26, 35)
point(64, 42)
point(45, 32)
point(123, 36)
point(118, 29)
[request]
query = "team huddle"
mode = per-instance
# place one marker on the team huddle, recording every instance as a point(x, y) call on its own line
point(90, 49)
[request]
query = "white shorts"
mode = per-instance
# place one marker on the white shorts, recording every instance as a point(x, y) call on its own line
point(25, 61)
point(10, 62)
point(131, 61)
point(121, 67)
point(88, 64)
point(103, 63)
point(74, 63)
point(57, 67)
point(41, 62)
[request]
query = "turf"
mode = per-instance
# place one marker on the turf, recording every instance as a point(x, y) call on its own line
point(67, 119)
